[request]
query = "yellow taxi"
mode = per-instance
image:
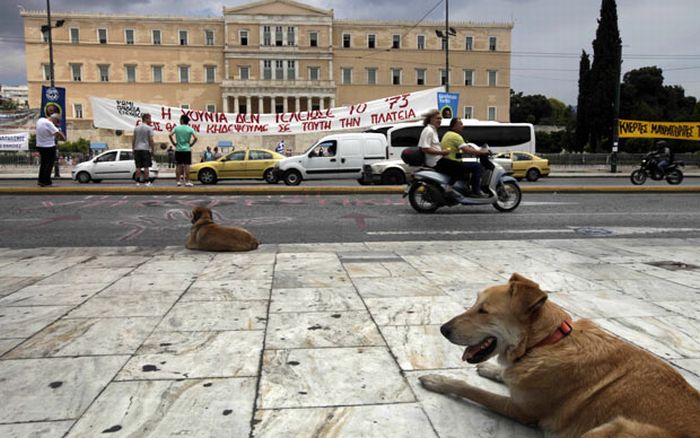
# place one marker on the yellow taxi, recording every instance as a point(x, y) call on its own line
point(239, 164)
point(526, 165)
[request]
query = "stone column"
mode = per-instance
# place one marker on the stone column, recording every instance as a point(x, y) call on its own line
point(321, 103)
point(285, 102)
point(297, 104)
point(261, 107)
point(225, 98)
point(236, 105)
point(247, 104)
point(332, 102)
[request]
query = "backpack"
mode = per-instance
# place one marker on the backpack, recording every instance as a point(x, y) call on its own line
point(413, 156)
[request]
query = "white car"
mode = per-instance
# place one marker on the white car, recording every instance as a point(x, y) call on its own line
point(114, 164)
point(396, 172)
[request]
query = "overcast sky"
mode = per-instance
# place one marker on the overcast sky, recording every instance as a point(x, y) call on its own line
point(548, 35)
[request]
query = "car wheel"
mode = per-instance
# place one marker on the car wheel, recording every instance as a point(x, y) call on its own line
point(393, 177)
point(292, 177)
point(532, 175)
point(207, 176)
point(83, 177)
point(269, 176)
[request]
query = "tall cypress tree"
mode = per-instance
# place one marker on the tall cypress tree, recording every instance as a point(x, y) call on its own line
point(604, 74)
point(583, 127)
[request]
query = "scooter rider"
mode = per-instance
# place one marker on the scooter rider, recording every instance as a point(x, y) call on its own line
point(453, 142)
point(436, 156)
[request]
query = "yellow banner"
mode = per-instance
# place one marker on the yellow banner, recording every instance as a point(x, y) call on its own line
point(641, 129)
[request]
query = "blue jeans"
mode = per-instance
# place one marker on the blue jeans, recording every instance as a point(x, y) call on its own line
point(663, 165)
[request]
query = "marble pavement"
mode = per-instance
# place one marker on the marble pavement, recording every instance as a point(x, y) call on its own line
point(300, 340)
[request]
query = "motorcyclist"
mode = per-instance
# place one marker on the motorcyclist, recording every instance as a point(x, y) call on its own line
point(662, 156)
point(455, 144)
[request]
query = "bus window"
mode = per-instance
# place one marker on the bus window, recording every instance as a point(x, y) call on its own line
point(497, 135)
point(404, 137)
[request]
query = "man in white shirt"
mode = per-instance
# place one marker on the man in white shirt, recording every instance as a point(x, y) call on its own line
point(46, 136)
point(143, 146)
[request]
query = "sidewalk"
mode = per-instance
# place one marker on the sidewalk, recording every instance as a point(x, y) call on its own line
point(300, 340)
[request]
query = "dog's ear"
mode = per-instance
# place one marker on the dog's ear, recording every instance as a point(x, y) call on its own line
point(196, 214)
point(526, 296)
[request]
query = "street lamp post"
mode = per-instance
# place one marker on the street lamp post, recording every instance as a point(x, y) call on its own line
point(449, 31)
point(47, 28)
point(616, 123)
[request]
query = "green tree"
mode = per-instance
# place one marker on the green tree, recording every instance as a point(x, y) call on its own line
point(529, 108)
point(583, 127)
point(604, 75)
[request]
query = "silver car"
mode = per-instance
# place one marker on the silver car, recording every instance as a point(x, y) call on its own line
point(114, 164)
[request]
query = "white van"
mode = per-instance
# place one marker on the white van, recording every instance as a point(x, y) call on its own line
point(338, 156)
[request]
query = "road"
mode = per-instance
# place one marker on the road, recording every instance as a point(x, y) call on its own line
point(34, 221)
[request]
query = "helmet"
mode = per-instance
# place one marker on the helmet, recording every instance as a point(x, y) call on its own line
point(662, 144)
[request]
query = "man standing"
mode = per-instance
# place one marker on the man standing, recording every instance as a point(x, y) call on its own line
point(171, 157)
point(183, 138)
point(46, 136)
point(142, 144)
point(280, 147)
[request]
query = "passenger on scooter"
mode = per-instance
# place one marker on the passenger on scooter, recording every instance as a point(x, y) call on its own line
point(455, 144)
point(435, 156)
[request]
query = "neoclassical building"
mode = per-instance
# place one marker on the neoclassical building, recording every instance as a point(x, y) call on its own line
point(262, 57)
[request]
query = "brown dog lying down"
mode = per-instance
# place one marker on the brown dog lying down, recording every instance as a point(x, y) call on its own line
point(205, 235)
point(572, 379)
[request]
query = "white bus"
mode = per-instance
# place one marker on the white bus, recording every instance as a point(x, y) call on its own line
point(501, 137)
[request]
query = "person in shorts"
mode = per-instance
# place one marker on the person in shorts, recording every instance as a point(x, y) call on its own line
point(183, 138)
point(142, 144)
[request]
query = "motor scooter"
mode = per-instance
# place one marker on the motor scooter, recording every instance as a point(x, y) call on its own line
point(426, 192)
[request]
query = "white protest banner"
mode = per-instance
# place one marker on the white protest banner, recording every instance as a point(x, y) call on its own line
point(16, 141)
point(125, 114)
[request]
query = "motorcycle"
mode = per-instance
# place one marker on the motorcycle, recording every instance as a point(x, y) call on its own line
point(649, 168)
point(426, 192)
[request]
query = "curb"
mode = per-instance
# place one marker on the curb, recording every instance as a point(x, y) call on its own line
point(260, 191)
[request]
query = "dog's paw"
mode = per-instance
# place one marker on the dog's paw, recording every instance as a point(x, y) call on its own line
point(436, 383)
point(490, 371)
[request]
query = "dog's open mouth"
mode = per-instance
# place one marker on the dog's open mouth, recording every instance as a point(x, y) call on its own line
point(481, 351)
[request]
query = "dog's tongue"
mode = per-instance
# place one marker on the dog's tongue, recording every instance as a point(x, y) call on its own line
point(469, 352)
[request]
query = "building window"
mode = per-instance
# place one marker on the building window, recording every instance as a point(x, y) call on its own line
point(74, 35)
point(396, 41)
point(443, 77)
point(491, 113)
point(155, 34)
point(157, 73)
point(102, 36)
point(185, 106)
point(267, 38)
point(371, 76)
point(420, 42)
point(129, 36)
point(211, 108)
point(492, 78)
point(346, 75)
point(183, 37)
point(104, 73)
point(76, 70)
point(469, 43)
point(291, 70)
point(279, 70)
point(130, 73)
point(209, 37)
point(267, 70)
point(244, 73)
point(184, 73)
point(346, 40)
point(313, 39)
point(492, 44)
point(278, 36)
point(77, 110)
point(371, 41)
point(210, 74)
point(291, 36)
point(314, 73)
point(396, 76)
point(468, 112)
point(46, 68)
point(244, 37)
point(420, 76)
point(468, 78)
